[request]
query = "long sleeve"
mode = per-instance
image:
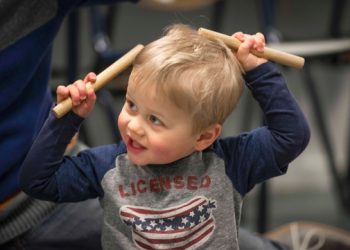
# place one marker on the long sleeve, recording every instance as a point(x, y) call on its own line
point(285, 120)
point(47, 174)
point(265, 152)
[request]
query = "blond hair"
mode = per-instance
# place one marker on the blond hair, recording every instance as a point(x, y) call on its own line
point(198, 75)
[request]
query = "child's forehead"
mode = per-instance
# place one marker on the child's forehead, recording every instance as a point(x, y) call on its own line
point(146, 88)
point(146, 81)
point(175, 88)
point(155, 91)
point(141, 82)
point(155, 102)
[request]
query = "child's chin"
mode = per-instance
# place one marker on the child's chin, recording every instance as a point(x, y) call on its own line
point(137, 161)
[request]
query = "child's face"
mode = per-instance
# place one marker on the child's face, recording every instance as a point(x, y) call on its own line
point(154, 130)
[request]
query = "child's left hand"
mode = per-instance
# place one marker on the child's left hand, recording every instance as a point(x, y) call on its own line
point(256, 42)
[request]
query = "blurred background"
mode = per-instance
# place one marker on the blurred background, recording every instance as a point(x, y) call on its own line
point(317, 186)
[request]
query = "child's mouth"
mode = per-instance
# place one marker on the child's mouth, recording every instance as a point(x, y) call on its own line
point(134, 146)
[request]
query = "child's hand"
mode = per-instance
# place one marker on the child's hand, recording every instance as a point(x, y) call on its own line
point(83, 100)
point(256, 42)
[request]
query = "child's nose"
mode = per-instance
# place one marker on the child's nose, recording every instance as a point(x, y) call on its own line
point(135, 126)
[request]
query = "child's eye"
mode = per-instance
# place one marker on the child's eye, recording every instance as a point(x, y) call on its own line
point(131, 105)
point(154, 120)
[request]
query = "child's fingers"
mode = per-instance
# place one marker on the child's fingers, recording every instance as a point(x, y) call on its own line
point(90, 77)
point(244, 49)
point(81, 86)
point(249, 42)
point(260, 37)
point(77, 91)
point(247, 60)
point(74, 94)
point(91, 98)
point(239, 35)
point(259, 42)
point(62, 93)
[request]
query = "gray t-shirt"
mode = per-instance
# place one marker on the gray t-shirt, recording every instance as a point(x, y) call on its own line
point(189, 204)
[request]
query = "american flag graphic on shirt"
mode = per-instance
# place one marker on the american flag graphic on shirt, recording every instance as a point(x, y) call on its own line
point(185, 226)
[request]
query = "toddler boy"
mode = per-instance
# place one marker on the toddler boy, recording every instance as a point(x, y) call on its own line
point(172, 183)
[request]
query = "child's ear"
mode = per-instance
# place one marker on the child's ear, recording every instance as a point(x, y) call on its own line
point(208, 136)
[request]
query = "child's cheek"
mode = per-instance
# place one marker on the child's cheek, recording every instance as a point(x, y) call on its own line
point(163, 150)
point(119, 122)
point(122, 124)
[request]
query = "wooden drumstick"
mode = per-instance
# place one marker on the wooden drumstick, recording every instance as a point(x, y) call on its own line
point(102, 79)
point(268, 53)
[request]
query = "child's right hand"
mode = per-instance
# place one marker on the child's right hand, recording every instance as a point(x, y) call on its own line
point(83, 100)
